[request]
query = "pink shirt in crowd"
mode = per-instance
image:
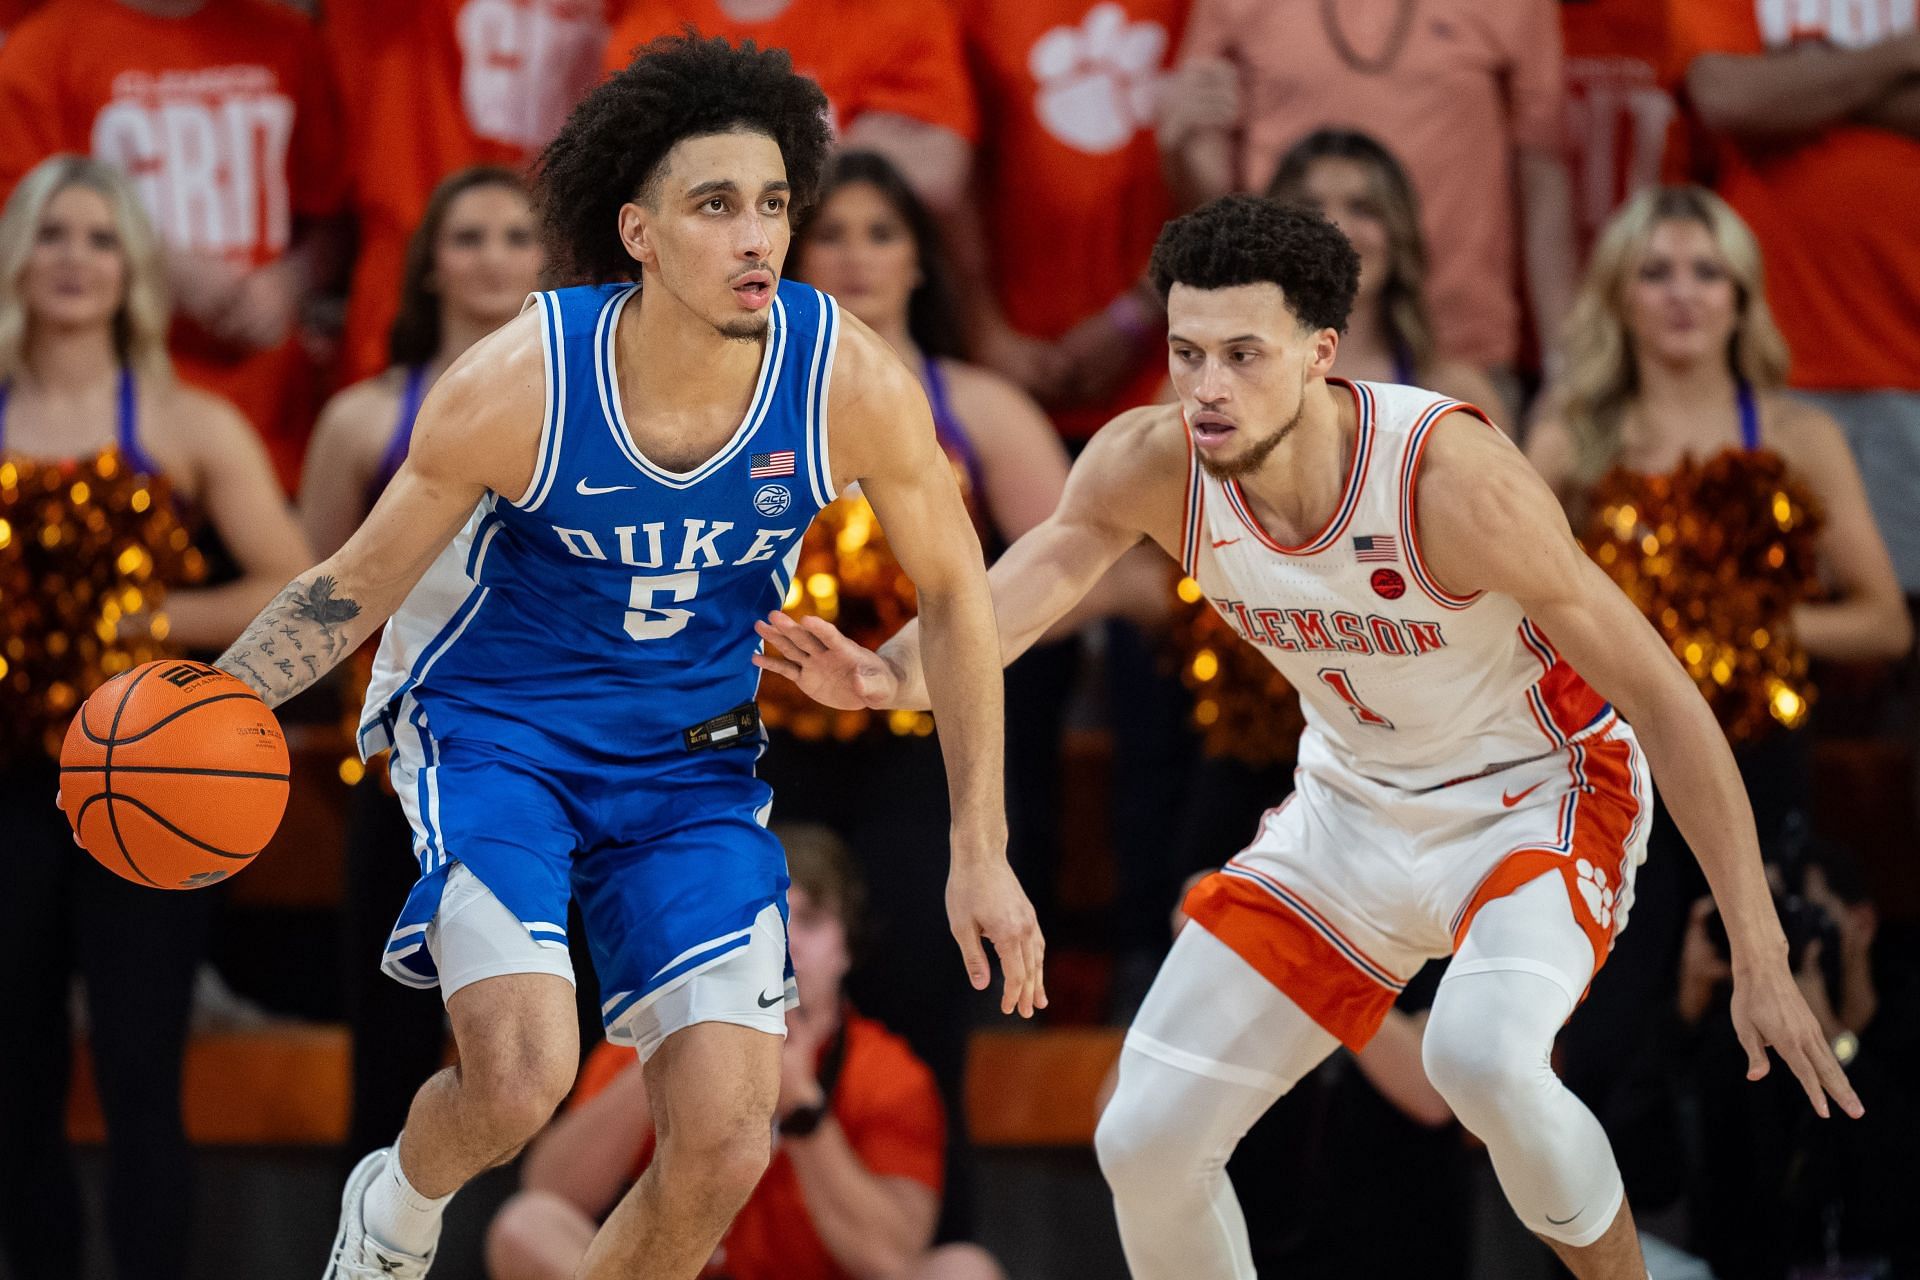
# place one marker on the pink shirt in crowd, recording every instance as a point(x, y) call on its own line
point(1452, 87)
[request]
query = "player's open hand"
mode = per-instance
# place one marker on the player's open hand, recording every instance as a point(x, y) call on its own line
point(828, 667)
point(984, 900)
point(1770, 1012)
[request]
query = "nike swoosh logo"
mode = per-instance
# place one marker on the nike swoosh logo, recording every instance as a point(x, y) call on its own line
point(1561, 1222)
point(1226, 542)
point(1509, 802)
point(767, 1002)
point(586, 490)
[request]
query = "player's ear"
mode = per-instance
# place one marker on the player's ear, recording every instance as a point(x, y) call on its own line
point(636, 232)
point(1323, 346)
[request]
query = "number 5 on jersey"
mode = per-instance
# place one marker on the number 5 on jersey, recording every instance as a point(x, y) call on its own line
point(1337, 680)
point(648, 621)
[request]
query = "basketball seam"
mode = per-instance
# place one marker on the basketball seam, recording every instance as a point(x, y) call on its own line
point(169, 769)
point(81, 814)
point(160, 818)
point(106, 775)
point(161, 723)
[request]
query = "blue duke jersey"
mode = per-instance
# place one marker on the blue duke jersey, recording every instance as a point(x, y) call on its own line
point(538, 684)
point(611, 605)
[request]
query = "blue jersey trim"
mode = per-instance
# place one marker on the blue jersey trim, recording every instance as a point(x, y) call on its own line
point(606, 376)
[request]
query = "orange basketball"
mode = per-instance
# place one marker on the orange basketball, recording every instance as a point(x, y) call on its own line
point(174, 775)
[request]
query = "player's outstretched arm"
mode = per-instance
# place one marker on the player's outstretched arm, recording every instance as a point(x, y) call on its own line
point(478, 430)
point(883, 437)
point(1123, 489)
point(1487, 522)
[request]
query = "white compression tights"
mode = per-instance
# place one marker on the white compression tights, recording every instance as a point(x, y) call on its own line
point(1211, 1048)
point(1515, 980)
point(1215, 1044)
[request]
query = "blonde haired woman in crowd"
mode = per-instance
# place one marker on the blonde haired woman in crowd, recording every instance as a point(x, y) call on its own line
point(107, 467)
point(1673, 361)
point(1733, 515)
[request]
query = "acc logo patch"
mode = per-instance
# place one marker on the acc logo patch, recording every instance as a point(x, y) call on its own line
point(772, 500)
point(1388, 584)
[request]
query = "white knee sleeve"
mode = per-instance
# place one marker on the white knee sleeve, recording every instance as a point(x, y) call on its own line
point(1214, 1044)
point(1163, 1144)
point(1487, 1048)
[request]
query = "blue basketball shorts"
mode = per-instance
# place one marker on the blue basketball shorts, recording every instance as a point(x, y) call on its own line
point(682, 888)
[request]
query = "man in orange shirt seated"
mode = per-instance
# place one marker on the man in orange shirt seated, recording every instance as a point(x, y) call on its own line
point(854, 1187)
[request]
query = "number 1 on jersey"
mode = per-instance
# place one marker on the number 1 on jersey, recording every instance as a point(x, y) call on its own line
point(1337, 680)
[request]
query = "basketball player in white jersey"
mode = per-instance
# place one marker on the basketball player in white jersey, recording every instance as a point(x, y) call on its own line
point(1468, 782)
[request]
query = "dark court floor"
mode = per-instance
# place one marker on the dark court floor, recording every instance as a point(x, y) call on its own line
point(269, 1214)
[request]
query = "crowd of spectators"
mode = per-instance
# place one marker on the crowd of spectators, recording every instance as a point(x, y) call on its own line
point(1669, 245)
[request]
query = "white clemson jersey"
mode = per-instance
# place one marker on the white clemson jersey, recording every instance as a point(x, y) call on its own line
point(1401, 681)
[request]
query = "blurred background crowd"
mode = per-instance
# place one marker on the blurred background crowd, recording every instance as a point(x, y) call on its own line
point(1673, 248)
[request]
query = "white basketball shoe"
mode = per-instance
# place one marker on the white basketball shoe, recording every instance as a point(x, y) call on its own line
point(357, 1255)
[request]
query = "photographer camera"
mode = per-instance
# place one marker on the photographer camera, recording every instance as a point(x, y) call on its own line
point(1776, 1195)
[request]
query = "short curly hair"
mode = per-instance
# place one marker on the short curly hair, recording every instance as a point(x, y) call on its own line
point(685, 86)
point(1238, 240)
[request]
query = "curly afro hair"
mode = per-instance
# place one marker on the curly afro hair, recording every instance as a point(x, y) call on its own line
point(1239, 240)
point(677, 87)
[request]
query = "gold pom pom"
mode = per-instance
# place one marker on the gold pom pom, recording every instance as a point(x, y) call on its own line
point(88, 550)
point(1716, 555)
point(847, 574)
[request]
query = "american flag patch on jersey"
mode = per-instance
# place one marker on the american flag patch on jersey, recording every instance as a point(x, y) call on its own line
point(763, 465)
point(1376, 547)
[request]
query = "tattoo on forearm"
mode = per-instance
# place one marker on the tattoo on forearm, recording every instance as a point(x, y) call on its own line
point(308, 615)
point(321, 607)
point(258, 681)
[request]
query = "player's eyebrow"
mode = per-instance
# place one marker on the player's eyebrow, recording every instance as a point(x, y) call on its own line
point(1225, 342)
point(727, 186)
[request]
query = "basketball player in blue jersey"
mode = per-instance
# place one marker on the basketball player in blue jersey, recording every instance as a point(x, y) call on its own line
point(600, 499)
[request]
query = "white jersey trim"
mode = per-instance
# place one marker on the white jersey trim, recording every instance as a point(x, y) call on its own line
point(606, 375)
point(1193, 521)
point(1410, 502)
point(1349, 499)
point(826, 343)
point(547, 456)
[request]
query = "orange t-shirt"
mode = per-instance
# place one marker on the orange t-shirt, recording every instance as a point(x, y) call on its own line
point(885, 1102)
point(901, 57)
point(1623, 131)
point(1472, 81)
point(11, 12)
point(1837, 213)
point(1071, 192)
point(225, 121)
point(433, 87)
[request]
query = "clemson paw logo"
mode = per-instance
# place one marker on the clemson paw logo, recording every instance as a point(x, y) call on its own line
point(1595, 893)
point(1098, 80)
